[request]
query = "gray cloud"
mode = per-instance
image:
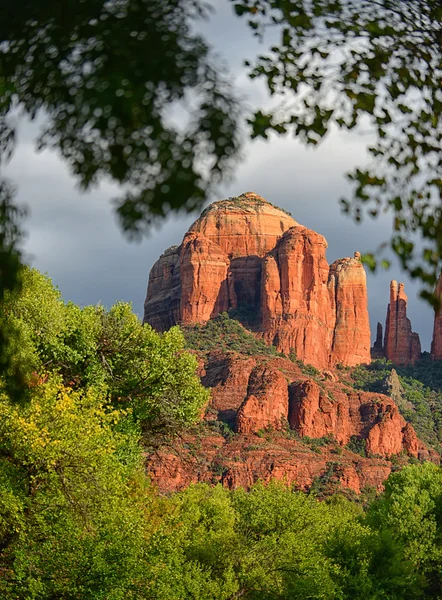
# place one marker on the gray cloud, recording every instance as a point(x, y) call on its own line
point(75, 239)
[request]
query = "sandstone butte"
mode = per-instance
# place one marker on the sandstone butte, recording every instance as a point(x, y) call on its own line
point(401, 345)
point(244, 253)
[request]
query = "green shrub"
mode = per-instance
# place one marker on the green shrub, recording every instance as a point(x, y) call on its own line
point(357, 445)
point(421, 393)
point(226, 334)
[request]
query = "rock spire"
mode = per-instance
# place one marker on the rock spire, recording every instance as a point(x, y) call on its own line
point(436, 345)
point(401, 345)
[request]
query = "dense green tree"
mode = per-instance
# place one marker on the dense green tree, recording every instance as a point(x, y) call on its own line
point(107, 349)
point(410, 512)
point(273, 542)
point(71, 498)
point(76, 510)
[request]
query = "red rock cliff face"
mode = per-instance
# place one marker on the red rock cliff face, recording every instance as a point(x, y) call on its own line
point(436, 345)
point(245, 253)
point(297, 311)
point(351, 336)
point(257, 395)
point(401, 345)
point(243, 226)
point(315, 412)
point(162, 304)
point(266, 403)
point(204, 285)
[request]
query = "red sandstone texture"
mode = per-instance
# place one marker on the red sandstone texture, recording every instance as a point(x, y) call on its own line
point(245, 253)
point(267, 401)
point(436, 345)
point(248, 459)
point(401, 345)
point(351, 335)
point(258, 395)
point(316, 412)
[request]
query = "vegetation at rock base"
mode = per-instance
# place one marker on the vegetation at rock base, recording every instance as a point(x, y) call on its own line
point(225, 333)
point(420, 396)
point(79, 518)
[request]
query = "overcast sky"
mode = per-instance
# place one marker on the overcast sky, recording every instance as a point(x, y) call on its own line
point(75, 239)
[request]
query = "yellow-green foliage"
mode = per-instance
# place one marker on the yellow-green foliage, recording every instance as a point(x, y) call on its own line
point(80, 521)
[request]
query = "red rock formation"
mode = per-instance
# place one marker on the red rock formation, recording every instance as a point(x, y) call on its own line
point(378, 347)
point(267, 402)
point(248, 459)
point(256, 390)
point(351, 335)
point(244, 226)
point(204, 286)
point(315, 413)
point(436, 345)
point(245, 253)
point(378, 342)
point(401, 344)
point(228, 377)
point(162, 304)
point(253, 392)
point(297, 313)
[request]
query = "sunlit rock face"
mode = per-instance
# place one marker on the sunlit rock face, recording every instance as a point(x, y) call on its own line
point(401, 344)
point(274, 408)
point(247, 255)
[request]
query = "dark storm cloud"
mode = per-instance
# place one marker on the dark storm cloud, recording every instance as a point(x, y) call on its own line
point(74, 237)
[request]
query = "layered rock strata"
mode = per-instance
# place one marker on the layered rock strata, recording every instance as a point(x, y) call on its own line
point(274, 407)
point(244, 253)
point(401, 344)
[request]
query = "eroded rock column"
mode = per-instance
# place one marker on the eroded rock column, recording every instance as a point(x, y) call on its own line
point(401, 344)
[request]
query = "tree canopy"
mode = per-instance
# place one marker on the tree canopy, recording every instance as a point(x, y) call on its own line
point(108, 76)
point(130, 92)
point(346, 62)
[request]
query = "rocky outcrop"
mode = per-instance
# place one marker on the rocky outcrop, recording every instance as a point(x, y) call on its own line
point(378, 347)
point(246, 459)
point(264, 394)
point(351, 335)
point(266, 404)
point(436, 344)
point(297, 310)
point(247, 225)
point(259, 394)
point(316, 413)
point(162, 304)
point(204, 286)
point(401, 345)
point(244, 253)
